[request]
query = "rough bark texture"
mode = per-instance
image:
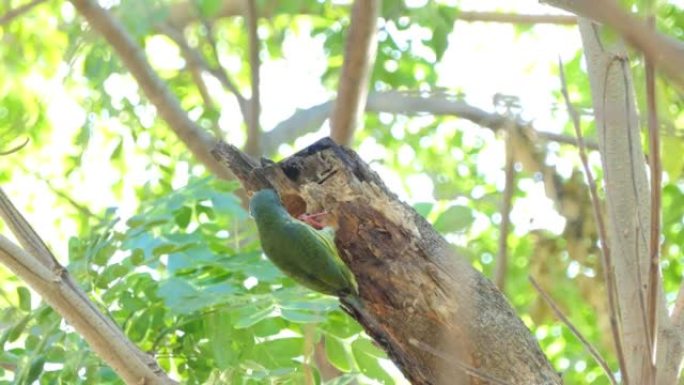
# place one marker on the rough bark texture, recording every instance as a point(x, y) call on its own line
point(426, 306)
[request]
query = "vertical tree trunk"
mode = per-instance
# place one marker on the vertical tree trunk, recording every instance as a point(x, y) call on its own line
point(627, 202)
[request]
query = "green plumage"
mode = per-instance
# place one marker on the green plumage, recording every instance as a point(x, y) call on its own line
point(307, 255)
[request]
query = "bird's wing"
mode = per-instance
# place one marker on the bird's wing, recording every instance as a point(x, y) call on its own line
point(329, 269)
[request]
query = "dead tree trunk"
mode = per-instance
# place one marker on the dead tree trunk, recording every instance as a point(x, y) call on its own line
point(441, 321)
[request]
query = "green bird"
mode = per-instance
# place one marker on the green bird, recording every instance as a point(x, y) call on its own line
point(305, 254)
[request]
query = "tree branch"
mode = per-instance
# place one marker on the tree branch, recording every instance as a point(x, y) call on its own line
point(587, 345)
point(627, 200)
point(656, 188)
point(15, 148)
point(182, 13)
point(253, 145)
point(195, 138)
point(666, 52)
point(194, 56)
point(311, 119)
point(606, 246)
point(359, 55)
point(16, 12)
point(514, 18)
point(501, 267)
point(37, 266)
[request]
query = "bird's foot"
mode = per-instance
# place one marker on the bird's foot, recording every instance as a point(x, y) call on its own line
point(313, 219)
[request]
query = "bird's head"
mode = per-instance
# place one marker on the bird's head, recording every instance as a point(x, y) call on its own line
point(264, 201)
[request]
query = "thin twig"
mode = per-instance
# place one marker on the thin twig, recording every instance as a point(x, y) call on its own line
point(192, 54)
point(180, 14)
point(195, 64)
point(608, 269)
point(16, 12)
point(219, 72)
point(15, 149)
point(587, 345)
point(78, 206)
point(656, 175)
point(502, 259)
point(514, 18)
point(253, 145)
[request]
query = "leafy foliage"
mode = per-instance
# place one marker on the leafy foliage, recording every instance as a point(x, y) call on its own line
point(202, 298)
point(183, 274)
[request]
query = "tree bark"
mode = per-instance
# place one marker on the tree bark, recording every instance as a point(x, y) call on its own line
point(435, 315)
point(627, 204)
point(359, 56)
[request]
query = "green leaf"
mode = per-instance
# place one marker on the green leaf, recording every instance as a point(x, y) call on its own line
point(280, 354)
point(251, 315)
point(345, 379)
point(338, 354)
point(229, 204)
point(35, 370)
point(423, 208)
point(183, 216)
point(304, 317)
point(209, 8)
point(341, 325)
point(24, 298)
point(673, 161)
point(179, 295)
point(17, 329)
point(456, 218)
point(367, 356)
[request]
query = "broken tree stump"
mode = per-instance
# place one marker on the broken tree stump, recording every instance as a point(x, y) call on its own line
point(440, 320)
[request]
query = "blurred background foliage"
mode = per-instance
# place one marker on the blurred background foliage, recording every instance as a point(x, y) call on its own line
point(170, 253)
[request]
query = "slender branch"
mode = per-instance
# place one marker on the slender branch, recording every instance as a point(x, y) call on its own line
point(498, 17)
point(15, 149)
point(219, 71)
point(608, 267)
point(198, 141)
point(84, 210)
point(506, 202)
point(181, 14)
point(196, 72)
point(587, 345)
point(359, 55)
point(195, 64)
point(311, 119)
point(10, 367)
point(192, 55)
point(253, 145)
point(37, 266)
point(656, 175)
point(16, 12)
point(666, 52)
